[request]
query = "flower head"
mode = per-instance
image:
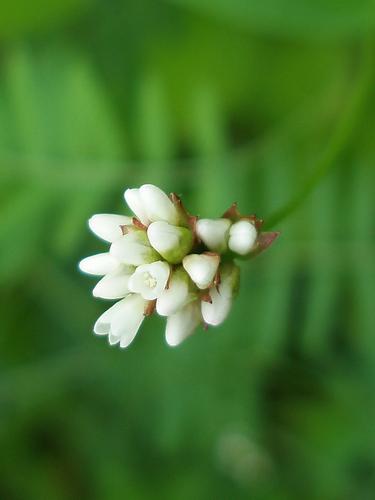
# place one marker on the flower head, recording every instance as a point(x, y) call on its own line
point(167, 261)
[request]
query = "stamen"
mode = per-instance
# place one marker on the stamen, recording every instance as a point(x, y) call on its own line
point(150, 281)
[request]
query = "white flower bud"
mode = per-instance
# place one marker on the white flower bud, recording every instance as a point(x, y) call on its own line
point(216, 312)
point(99, 265)
point(171, 242)
point(122, 321)
point(149, 280)
point(242, 237)
point(108, 226)
point(114, 285)
point(201, 268)
point(175, 296)
point(136, 205)
point(134, 249)
point(157, 205)
point(214, 233)
point(182, 324)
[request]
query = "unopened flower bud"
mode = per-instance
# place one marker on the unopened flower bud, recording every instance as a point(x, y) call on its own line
point(171, 242)
point(149, 280)
point(150, 204)
point(242, 237)
point(134, 201)
point(217, 310)
point(108, 226)
point(201, 268)
point(214, 233)
point(134, 249)
point(182, 324)
point(99, 265)
point(175, 296)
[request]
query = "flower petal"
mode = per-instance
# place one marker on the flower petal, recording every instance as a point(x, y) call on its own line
point(126, 321)
point(216, 312)
point(108, 226)
point(182, 324)
point(175, 296)
point(214, 233)
point(113, 285)
point(99, 265)
point(150, 280)
point(157, 204)
point(242, 237)
point(171, 242)
point(134, 202)
point(133, 249)
point(201, 268)
point(103, 323)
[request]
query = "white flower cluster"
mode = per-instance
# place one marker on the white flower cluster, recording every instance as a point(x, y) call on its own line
point(163, 259)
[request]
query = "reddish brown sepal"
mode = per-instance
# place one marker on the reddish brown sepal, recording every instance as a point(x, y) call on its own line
point(234, 215)
point(206, 297)
point(264, 241)
point(232, 212)
point(217, 280)
point(137, 223)
point(258, 223)
point(150, 307)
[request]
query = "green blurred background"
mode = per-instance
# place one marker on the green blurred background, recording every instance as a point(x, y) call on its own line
point(270, 103)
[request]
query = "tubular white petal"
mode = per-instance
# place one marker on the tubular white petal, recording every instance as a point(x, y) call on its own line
point(171, 242)
point(107, 226)
point(182, 324)
point(242, 236)
point(99, 265)
point(113, 285)
point(113, 339)
point(222, 299)
point(150, 280)
point(103, 323)
point(215, 313)
point(157, 204)
point(201, 268)
point(173, 298)
point(126, 321)
point(134, 202)
point(133, 249)
point(214, 233)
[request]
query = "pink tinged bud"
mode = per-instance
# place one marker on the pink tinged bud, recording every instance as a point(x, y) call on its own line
point(134, 202)
point(99, 265)
point(175, 296)
point(134, 249)
point(201, 268)
point(122, 321)
point(242, 237)
point(216, 311)
point(108, 226)
point(150, 280)
point(182, 324)
point(214, 233)
point(157, 205)
point(171, 242)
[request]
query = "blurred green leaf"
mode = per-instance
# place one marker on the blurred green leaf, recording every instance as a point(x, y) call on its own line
point(306, 19)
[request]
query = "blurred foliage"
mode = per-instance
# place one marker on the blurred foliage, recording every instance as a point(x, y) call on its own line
point(267, 103)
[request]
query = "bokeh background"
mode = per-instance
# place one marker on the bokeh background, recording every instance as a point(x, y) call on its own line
point(270, 103)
